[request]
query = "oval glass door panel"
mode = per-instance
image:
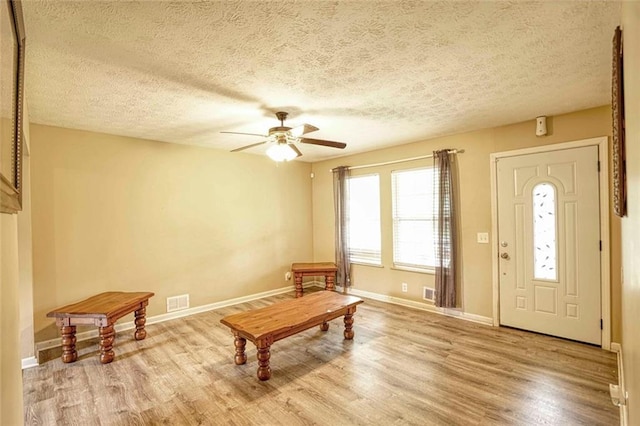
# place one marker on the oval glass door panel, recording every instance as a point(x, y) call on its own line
point(545, 259)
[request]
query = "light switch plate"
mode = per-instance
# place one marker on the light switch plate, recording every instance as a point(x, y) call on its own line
point(483, 237)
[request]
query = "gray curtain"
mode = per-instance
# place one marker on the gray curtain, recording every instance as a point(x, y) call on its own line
point(341, 209)
point(445, 229)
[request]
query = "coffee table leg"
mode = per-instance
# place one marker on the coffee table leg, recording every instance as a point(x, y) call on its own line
point(107, 336)
point(240, 344)
point(264, 371)
point(69, 353)
point(140, 321)
point(348, 325)
point(298, 280)
point(324, 326)
point(330, 282)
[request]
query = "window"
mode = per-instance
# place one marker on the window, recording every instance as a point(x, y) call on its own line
point(413, 220)
point(364, 219)
point(544, 232)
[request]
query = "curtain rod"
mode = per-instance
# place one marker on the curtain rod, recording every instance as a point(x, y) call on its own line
point(386, 163)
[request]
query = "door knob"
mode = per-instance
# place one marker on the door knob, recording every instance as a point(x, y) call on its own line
point(505, 256)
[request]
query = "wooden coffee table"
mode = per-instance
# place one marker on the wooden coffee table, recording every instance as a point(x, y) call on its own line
point(327, 269)
point(267, 325)
point(102, 310)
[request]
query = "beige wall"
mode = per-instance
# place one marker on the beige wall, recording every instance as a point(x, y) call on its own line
point(631, 224)
point(10, 299)
point(10, 366)
point(113, 213)
point(25, 264)
point(475, 200)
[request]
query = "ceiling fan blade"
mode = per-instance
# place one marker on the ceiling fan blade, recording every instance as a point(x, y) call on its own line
point(248, 146)
point(249, 134)
point(331, 144)
point(302, 129)
point(295, 148)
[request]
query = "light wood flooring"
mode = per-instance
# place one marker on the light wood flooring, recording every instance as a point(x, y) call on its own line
point(404, 366)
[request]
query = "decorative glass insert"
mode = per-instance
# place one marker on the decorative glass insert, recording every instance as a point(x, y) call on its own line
point(545, 260)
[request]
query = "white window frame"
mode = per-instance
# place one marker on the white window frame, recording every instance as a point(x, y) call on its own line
point(370, 256)
point(400, 261)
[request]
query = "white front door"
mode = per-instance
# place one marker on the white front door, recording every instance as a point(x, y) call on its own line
point(549, 243)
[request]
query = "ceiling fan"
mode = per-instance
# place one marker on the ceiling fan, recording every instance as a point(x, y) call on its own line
point(285, 138)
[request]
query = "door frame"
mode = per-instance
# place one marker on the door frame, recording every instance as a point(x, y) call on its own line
point(605, 258)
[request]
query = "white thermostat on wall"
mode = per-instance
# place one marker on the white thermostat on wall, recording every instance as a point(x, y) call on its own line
point(541, 125)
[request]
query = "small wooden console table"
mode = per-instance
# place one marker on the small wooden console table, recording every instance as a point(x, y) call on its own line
point(102, 310)
point(328, 269)
point(267, 325)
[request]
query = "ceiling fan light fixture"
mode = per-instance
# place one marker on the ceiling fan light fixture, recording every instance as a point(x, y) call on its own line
point(285, 140)
point(281, 152)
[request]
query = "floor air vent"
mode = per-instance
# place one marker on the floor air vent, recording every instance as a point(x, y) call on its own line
point(177, 303)
point(428, 293)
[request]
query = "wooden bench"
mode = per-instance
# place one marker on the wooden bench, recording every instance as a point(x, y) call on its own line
point(102, 310)
point(326, 269)
point(267, 325)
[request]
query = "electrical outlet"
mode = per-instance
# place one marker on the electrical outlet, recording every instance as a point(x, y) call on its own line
point(404, 287)
point(287, 276)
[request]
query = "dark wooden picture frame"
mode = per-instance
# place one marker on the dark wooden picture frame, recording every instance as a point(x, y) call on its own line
point(12, 43)
point(618, 134)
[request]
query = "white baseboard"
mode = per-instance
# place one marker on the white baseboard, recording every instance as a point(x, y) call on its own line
point(624, 413)
point(29, 362)
point(91, 334)
point(429, 307)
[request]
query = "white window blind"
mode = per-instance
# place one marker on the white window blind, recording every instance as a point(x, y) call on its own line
point(413, 218)
point(364, 219)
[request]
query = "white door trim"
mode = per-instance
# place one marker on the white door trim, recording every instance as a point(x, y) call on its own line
point(603, 156)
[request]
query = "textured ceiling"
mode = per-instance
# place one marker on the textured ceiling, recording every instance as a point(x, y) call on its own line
point(368, 73)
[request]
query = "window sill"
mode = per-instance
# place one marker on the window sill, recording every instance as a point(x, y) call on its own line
point(373, 265)
point(416, 270)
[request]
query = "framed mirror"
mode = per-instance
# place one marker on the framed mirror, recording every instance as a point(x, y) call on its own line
point(11, 95)
point(618, 133)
